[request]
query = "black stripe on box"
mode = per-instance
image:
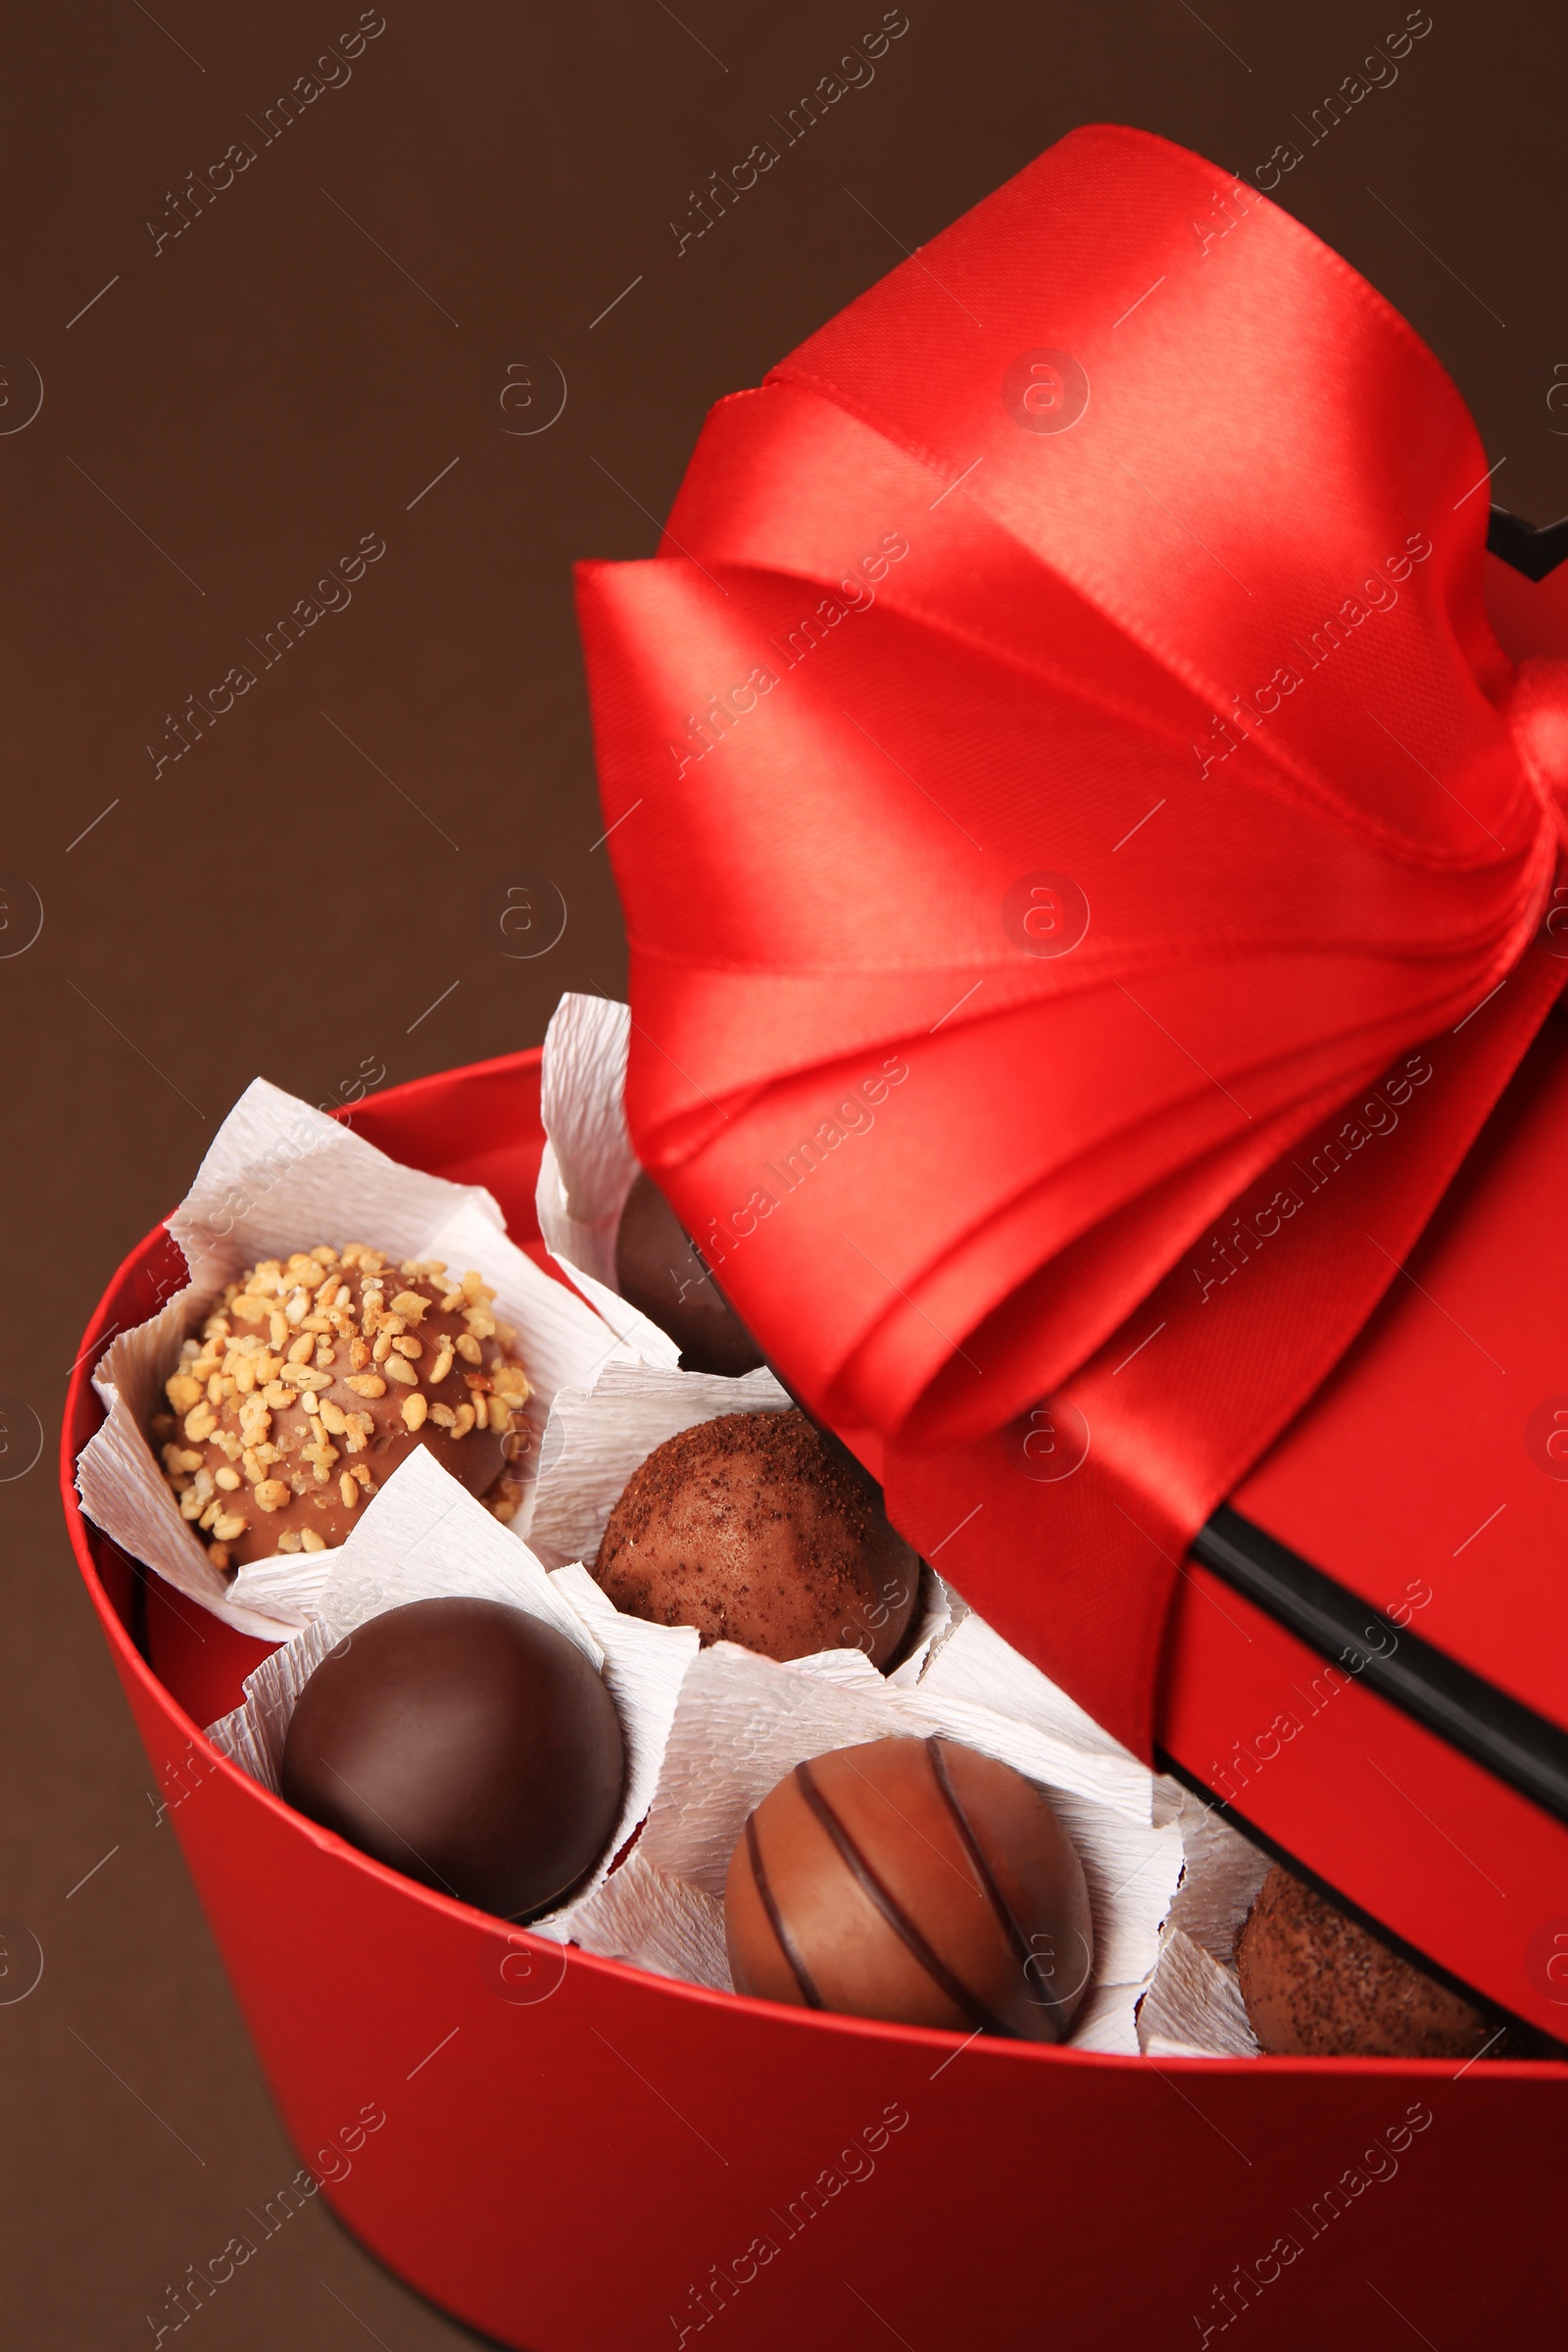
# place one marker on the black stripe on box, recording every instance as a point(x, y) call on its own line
point(1510, 1740)
point(1532, 552)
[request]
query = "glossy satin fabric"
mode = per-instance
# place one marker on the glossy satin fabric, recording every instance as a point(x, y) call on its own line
point(1108, 580)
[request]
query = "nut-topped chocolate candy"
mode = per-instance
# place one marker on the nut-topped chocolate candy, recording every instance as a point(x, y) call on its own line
point(915, 1881)
point(1318, 1984)
point(658, 1270)
point(313, 1378)
point(755, 1529)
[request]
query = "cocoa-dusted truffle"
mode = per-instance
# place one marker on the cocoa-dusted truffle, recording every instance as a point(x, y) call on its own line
point(915, 1881)
point(1317, 1984)
point(313, 1377)
point(660, 1272)
point(754, 1529)
point(465, 1743)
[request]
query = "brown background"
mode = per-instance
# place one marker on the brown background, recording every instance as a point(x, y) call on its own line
point(319, 882)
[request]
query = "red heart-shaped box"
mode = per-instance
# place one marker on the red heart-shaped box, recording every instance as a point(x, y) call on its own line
point(566, 2152)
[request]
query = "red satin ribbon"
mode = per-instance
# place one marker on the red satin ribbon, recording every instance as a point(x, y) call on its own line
point(1057, 764)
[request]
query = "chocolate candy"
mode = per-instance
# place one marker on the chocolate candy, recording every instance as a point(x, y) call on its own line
point(756, 1529)
point(1318, 1985)
point(657, 1270)
point(312, 1380)
point(467, 1744)
point(914, 1881)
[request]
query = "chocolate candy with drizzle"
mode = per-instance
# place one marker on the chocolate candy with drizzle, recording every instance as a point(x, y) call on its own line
point(914, 1881)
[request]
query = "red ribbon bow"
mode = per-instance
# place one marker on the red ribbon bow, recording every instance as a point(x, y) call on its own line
point(1061, 781)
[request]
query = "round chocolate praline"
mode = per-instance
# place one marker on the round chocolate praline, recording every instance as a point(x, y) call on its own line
point(659, 1271)
point(467, 1744)
point(914, 1881)
point(1318, 1984)
point(755, 1529)
point(313, 1378)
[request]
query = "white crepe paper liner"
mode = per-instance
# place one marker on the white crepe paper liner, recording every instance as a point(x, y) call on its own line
point(1193, 2007)
point(422, 1536)
point(589, 1165)
point(280, 1176)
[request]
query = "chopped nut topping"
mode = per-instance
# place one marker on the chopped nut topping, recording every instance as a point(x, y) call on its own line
point(257, 1390)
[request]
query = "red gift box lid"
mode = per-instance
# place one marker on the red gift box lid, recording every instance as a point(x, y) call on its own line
point(1368, 1657)
point(1048, 667)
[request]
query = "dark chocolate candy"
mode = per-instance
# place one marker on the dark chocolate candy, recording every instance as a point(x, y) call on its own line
point(658, 1271)
point(756, 1529)
point(1317, 1984)
point(465, 1743)
point(914, 1881)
